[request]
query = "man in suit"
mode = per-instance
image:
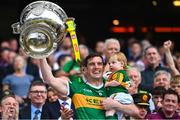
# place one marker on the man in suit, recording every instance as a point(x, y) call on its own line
point(37, 108)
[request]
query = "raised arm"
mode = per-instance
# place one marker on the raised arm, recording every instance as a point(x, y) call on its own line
point(169, 58)
point(59, 84)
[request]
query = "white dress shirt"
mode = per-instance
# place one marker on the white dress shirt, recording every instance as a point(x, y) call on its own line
point(68, 105)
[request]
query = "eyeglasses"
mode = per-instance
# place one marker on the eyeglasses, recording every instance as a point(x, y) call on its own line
point(36, 92)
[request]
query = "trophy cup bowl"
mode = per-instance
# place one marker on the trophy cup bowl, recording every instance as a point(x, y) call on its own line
point(42, 27)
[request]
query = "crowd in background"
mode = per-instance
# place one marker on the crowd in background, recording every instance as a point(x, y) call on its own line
point(152, 70)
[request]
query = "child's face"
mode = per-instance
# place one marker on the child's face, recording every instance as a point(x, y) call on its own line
point(176, 87)
point(115, 64)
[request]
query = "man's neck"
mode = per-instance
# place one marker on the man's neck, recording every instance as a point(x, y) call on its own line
point(96, 83)
point(154, 66)
point(38, 105)
point(168, 114)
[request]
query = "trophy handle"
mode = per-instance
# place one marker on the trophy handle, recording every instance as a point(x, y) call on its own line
point(71, 28)
point(16, 28)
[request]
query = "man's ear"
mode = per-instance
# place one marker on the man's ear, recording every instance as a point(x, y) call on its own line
point(84, 69)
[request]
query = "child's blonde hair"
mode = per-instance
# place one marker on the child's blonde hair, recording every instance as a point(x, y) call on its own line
point(121, 58)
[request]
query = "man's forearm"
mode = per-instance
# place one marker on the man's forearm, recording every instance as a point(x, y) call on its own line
point(59, 84)
point(46, 71)
point(170, 62)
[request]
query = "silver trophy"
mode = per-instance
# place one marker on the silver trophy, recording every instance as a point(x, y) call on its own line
point(42, 27)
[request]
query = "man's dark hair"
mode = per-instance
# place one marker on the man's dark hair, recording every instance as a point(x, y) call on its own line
point(92, 55)
point(171, 92)
point(62, 57)
point(159, 90)
point(145, 51)
point(37, 83)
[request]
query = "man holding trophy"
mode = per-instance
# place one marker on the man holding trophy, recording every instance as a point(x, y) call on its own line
point(42, 26)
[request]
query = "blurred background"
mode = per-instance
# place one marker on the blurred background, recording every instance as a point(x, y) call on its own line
point(157, 20)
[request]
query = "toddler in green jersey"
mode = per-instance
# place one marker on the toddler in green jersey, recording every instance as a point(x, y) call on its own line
point(118, 82)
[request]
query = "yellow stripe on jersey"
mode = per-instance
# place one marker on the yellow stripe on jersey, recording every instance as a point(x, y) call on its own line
point(80, 100)
point(117, 77)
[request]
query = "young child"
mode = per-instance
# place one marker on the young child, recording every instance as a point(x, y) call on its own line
point(175, 83)
point(118, 82)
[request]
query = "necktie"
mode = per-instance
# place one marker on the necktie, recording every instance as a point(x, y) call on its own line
point(64, 103)
point(36, 114)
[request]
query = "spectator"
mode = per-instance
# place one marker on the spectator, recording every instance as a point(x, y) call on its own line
point(63, 59)
point(4, 53)
point(38, 108)
point(64, 48)
point(84, 51)
point(162, 78)
point(19, 81)
point(141, 100)
point(52, 95)
point(135, 56)
point(65, 104)
point(175, 83)
point(11, 56)
point(135, 77)
point(30, 68)
point(153, 64)
point(169, 106)
point(4, 44)
point(99, 48)
point(111, 46)
point(89, 90)
point(170, 61)
point(72, 68)
point(13, 44)
point(135, 51)
point(157, 95)
point(9, 107)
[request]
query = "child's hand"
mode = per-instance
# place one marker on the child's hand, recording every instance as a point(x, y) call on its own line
point(112, 83)
point(106, 75)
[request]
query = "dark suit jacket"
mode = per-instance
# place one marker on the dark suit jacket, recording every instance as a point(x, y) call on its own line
point(48, 112)
point(55, 106)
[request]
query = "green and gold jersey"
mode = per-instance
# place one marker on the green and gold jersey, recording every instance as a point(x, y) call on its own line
point(121, 77)
point(87, 100)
